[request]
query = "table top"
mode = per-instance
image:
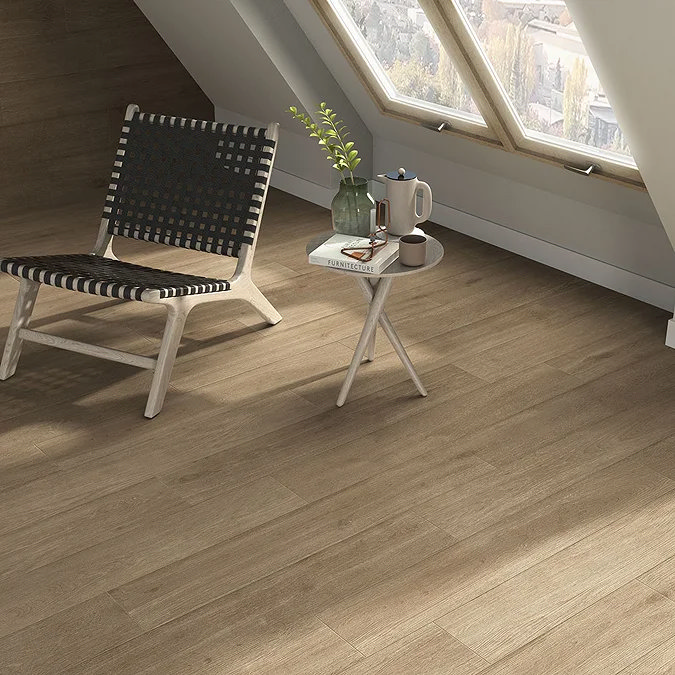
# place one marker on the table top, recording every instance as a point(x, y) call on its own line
point(395, 269)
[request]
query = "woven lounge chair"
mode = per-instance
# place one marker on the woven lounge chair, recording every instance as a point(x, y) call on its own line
point(176, 181)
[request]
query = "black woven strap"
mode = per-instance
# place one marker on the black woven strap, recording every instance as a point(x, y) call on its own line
point(108, 277)
point(189, 183)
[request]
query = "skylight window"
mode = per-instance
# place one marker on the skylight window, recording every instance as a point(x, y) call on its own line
point(404, 63)
point(405, 53)
point(513, 72)
point(543, 68)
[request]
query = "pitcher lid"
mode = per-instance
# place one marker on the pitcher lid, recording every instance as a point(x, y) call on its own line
point(401, 174)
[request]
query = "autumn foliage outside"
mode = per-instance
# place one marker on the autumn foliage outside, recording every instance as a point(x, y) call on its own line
point(533, 48)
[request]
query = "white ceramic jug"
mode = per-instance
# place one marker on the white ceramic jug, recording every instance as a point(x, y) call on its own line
point(402, 189)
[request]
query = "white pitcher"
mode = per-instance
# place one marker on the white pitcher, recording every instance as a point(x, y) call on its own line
point(402, 189)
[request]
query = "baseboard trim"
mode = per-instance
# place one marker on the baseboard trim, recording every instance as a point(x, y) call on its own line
point(301, 187)
point(579, 265)
point(670, 334)
point(582, 266)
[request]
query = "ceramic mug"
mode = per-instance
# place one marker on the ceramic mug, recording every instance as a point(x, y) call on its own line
point(412, 250)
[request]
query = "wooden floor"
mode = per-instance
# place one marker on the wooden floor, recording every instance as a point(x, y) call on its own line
point(519, 520)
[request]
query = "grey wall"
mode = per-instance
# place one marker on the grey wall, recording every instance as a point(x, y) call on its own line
point(596, 218)
point(253, 58)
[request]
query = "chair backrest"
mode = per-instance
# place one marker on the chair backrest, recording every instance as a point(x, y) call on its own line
point(189, 183)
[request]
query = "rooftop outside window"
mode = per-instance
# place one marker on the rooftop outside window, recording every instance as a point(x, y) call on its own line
point(536, 53)
point(514, 73)
point(407, 55)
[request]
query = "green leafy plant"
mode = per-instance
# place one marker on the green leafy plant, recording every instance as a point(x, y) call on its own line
point(331, 134)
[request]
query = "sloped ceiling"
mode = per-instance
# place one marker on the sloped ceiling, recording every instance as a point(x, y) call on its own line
point(631, 46)
point(256, 57)
point(214, 44)
point(251, 57)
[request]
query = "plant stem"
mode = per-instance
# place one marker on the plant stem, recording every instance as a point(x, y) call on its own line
point(330, 122)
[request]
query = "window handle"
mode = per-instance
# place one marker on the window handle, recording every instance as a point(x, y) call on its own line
point(593, 168)
point(441, 126)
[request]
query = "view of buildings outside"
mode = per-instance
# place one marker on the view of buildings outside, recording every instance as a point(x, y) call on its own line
point(537, 53)
point(534, 49)
point(405, 44)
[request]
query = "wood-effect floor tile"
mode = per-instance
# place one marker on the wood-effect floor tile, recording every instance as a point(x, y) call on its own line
point(660, 456)
point(29, 596)
point(453, 578)
point(49, 539)
point(430, 650)
point(179, 588)
point(219, 634)
point(612, 633)
point(661, 578)
point(521, 514)
point(67, 638)
point(660, 661)
point(528, 605)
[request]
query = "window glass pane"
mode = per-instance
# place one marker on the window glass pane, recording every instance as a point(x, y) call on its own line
point(405, 53)
point(537, 54)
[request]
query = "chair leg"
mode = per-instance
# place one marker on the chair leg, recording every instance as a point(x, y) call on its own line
point(173, 331)
point(23, 309)
point(262, 305)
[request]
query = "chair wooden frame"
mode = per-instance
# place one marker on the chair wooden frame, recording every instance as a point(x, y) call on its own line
point(241, 287)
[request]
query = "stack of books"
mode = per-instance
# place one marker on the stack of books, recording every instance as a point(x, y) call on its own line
point(329, 254)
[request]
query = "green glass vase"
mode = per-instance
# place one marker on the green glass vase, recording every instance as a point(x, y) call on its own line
point(351, 207)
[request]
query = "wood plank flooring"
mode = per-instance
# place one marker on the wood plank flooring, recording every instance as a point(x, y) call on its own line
point(519, 520)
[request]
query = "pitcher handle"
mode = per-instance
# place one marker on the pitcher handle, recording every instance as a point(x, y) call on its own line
point(426, 202)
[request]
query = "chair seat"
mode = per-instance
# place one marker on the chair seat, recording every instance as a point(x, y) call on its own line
point(108, 277)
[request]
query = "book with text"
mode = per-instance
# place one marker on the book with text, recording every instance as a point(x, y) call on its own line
point(329, 254)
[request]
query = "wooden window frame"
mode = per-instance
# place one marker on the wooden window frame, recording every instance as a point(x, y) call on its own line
point(396, 105)
point(503, 127)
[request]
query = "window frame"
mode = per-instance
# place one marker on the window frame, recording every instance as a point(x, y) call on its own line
point(504, 128)
point(403, 107)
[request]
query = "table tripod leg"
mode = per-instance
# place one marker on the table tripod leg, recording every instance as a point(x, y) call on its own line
point(374, 311)
point(371, 344)
point(402, 354)
point(394, 339)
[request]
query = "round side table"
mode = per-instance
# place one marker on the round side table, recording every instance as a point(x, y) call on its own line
point(376, 288)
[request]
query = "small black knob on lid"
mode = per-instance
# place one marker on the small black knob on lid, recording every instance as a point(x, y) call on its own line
point(401, 174)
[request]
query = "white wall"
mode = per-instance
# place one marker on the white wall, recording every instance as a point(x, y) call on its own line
point(298, 168)
point(631, 46)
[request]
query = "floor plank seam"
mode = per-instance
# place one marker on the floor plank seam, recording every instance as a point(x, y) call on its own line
point(487, 662)
point(342, 639)
point(141, 630)
point(445, 611)
point(651, 588)
point(307, 502)
point(176, 494)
